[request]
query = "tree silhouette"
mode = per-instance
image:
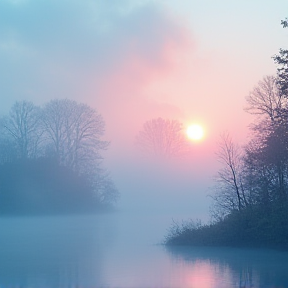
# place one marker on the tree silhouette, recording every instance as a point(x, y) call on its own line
point(229, 194)
point(266, 153)
point(282, 66)
point(265, 99)
point(162, 138)
point(74, 132)
point(23, 125)
point(65, 133)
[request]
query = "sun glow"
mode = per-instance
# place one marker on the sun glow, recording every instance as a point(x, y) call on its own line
point(195, 132)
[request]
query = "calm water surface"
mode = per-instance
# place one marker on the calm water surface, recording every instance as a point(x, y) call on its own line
point(118, 250)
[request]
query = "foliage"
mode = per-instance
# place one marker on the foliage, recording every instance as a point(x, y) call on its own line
point(282, 66)
point(284, 23)
point(68, 135)
point(250, 205)
point(250, 227)
point(42, 186)
point(282, 60)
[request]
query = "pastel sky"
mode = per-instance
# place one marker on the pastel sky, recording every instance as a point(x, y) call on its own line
point(133, 60)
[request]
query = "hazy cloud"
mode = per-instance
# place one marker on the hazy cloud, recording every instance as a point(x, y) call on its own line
point(90, 36)
point(100, 52)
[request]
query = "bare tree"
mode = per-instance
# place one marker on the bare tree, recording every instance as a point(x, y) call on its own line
point(267, 159)
point(266, 154)
point(8, 148)
point(22, 125)
point(104, 187)
point(230, 194)
point(74, 131)
point(266, 100)
point(162, 138)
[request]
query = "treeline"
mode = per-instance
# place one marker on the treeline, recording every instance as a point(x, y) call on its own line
point(50, 157)
point(250, 199)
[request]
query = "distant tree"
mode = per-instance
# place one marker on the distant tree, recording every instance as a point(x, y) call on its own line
point(73, 135)
point(104, 188)
point(64, 133)
point(43, 186)
point(23, 125)
point(8, 148)
point(74, 132)
point(162, 138)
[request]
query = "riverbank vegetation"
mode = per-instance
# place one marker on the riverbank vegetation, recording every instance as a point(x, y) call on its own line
point(51, 159)
point(252, 227)
point(250, 197)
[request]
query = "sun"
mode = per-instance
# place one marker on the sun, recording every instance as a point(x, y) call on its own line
point(195, 132)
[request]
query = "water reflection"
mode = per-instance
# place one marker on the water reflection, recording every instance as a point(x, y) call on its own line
point(53, 251)
point(119, 251)
point(232, 267)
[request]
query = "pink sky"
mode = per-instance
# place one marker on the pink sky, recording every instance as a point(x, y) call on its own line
point(193, 61)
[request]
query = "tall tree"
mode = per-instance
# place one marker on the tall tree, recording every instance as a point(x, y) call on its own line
point(266, 154)
point(162, 138)
point(62, 130)
point(74, 131)
point(282, 66)
point(266, 164)
point(230, 194)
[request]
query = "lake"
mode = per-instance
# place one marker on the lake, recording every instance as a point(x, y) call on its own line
point(123, 250)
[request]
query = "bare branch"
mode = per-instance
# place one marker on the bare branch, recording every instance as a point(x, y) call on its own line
point(162, 138)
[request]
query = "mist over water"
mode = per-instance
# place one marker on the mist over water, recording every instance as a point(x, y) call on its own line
point(124, 248)
point(128, 61)
point(120, 250)
point(177, 188)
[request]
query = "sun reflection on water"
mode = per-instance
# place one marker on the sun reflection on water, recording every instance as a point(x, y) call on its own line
point(201, 275)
